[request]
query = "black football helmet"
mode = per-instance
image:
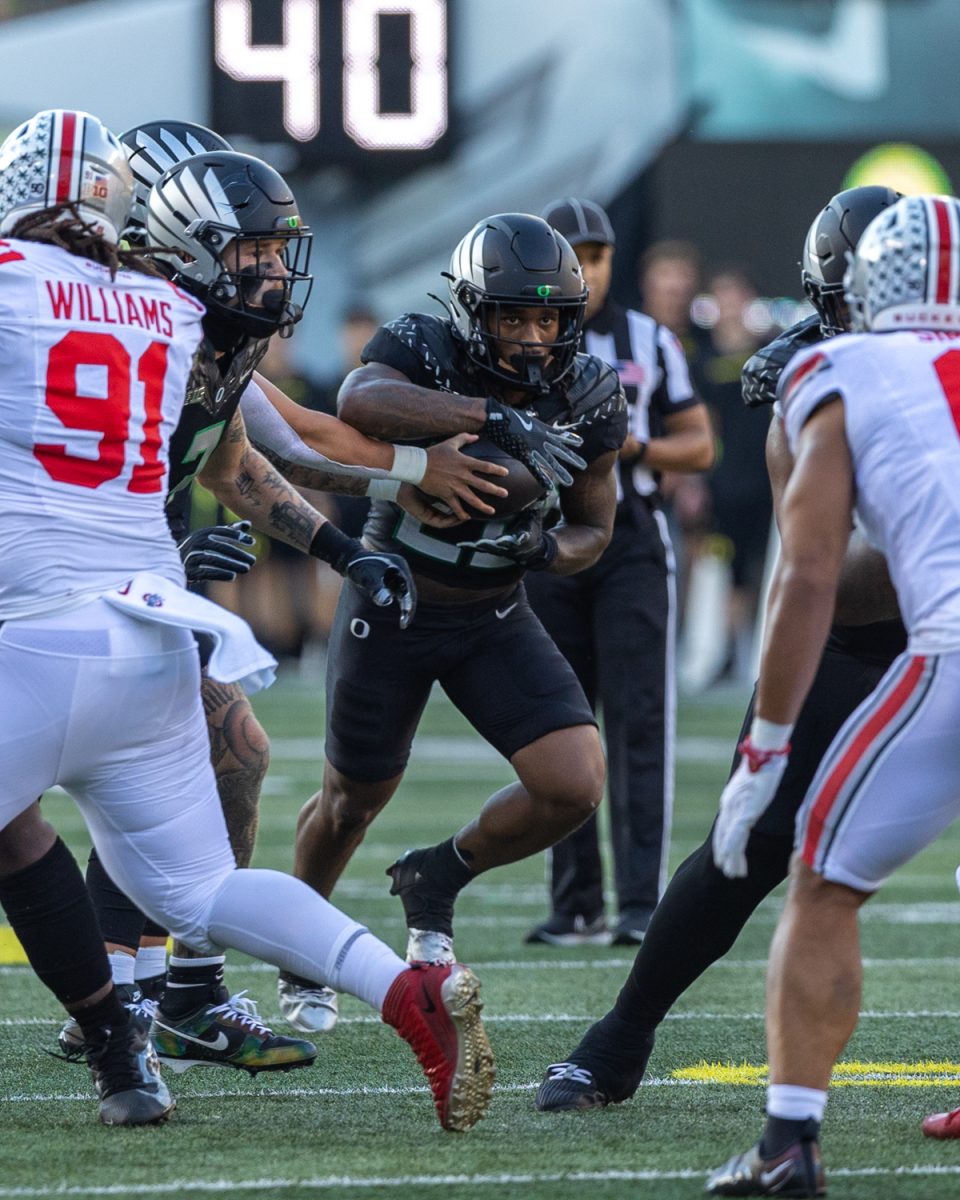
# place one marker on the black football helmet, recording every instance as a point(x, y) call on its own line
point(153, 148)
point(832, 236)
point(206, 204)
point(517, 260)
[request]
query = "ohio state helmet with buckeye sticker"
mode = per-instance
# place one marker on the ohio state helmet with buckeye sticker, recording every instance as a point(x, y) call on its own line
point(905, 273)
point(65, 159)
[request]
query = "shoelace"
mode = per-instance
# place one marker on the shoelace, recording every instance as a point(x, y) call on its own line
point(242, 1009)
point(143, 1008)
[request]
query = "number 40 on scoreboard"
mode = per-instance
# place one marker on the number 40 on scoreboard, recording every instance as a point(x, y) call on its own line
point(351, 82)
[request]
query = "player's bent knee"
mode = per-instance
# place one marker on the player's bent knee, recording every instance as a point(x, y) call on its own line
point(185, 909)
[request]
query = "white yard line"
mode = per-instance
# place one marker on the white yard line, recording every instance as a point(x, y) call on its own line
point(553, 1018)
point(334, 1182)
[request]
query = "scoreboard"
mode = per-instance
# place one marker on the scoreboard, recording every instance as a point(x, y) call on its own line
point(362, 84)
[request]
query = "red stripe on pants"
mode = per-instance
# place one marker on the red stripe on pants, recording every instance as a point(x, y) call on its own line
point(867, 734)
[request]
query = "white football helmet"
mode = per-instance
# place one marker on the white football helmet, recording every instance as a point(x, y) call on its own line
point(905, 272)
point(65, 157)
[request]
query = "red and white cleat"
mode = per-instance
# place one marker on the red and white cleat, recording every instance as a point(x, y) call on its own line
point(942, 1125)
point(436, 1008)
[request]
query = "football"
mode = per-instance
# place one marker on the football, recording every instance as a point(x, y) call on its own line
point(522, 486)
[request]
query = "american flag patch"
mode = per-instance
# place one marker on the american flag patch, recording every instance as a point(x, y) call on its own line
point(632, 374)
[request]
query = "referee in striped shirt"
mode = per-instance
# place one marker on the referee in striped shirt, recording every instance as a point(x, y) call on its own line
point(615, 621)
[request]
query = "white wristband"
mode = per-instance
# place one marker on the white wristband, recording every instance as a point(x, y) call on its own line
point(765, 735)
point(409, 464)
point(383, 489)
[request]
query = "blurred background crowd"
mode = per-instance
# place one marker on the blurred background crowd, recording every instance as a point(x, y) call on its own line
point(711, 131)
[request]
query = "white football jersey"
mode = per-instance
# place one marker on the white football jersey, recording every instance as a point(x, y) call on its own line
point(93, 373)
point(901, 404)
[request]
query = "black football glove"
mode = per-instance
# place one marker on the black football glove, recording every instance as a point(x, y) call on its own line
point(544, 450)
point(217, 552)
point(384, 578)
point(525, 543)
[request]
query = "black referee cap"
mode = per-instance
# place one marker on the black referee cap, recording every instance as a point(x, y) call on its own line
point(579, 221)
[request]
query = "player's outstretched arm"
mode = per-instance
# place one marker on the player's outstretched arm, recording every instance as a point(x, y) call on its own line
point(384, 403)
point(316, 450)
point(243, 480)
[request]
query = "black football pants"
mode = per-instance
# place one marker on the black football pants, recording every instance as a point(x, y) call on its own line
point(615, 625)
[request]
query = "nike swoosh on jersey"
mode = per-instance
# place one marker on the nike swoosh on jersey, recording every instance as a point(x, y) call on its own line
point(507, 611)
point(221, 1042)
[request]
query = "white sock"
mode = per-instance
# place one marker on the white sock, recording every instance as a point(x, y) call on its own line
point(121, 966)
point(279, 919)
point(151, 961)
point(792, 1103)
point(367, 967)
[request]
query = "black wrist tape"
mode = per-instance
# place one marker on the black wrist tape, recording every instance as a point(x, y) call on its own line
point(333, 546)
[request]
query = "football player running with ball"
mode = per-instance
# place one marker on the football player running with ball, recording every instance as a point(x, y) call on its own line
point(503, 364)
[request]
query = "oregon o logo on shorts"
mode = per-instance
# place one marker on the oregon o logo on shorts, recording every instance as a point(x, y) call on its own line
point(359, 628)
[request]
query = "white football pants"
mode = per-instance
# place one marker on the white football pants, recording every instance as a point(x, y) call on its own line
point(109, 708)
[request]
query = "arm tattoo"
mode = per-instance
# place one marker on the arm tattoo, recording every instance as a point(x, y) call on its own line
point(295, 523)
point(270, 502)
point(332, 478)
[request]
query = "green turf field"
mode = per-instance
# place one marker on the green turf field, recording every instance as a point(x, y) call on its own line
point(360, 1122)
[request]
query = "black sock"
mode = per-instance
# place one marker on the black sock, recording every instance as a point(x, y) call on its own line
point(780, 1134)
point(49, 910)
point(616, 1053)
point(447, 869)
point(696, 922)
point(108, 1011)
point(189, 987)
point(120, 919)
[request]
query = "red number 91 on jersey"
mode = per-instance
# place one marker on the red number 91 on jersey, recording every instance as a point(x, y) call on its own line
point(88, 388)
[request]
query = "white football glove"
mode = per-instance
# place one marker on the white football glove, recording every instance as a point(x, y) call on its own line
point(746, 797)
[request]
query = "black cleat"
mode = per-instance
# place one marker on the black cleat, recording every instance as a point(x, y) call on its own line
point(126, 1075)
point(796, 1171)
point(569, 1088)
point(71, 1041)
point(563, 930)
point(425, 905)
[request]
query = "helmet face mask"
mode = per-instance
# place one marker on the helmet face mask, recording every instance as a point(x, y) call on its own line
point(507, 266)
point(68, 162)
point(832, 237)
point(155, 147)
point(229, 224)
